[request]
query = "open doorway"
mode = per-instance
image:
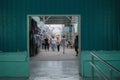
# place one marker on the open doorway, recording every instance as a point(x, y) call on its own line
point(49, 26)
point(47, 63)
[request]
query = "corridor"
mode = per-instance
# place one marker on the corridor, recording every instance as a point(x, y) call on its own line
point(49, 65)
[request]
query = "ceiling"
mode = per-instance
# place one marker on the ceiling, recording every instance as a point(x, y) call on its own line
point(58, 19)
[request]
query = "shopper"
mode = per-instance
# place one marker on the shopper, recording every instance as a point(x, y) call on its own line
point(63, 42)
point(76, 45)
point(53, 43)
point(46, 44)
point(58, 44)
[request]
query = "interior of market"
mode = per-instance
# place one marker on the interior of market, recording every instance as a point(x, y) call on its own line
point(42, 27)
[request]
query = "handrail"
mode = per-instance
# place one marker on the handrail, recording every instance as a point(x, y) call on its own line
point(107, 64)
point(99, 71)
point(111, 68)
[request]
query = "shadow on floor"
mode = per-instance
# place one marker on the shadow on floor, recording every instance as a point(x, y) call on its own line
point(14, 78)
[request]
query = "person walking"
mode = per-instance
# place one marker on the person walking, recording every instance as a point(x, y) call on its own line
point(46, 44)
point(58, 44)
point(53, 43)
point(76, 45)
point(63, 42)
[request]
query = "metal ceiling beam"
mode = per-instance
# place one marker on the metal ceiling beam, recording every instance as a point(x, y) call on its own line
point(69, 18)
point(56, 19)
point(47, 18)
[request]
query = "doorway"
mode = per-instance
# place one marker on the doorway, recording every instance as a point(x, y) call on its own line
point(48, 25)
point(53, 26)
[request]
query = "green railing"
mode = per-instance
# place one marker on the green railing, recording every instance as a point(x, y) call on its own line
point(102, 74)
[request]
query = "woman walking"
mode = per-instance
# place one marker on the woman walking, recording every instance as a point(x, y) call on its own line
point(58, 44)
point(53, 43)
point(63, 42)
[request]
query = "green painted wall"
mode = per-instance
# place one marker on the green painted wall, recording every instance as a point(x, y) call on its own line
point(100, 21)
point(112, 57)
point(99, 30)
point(14, 64)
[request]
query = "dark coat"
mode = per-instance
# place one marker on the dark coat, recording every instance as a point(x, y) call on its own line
point(76, 42)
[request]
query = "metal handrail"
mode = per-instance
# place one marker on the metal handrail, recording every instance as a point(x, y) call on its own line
point(111, 68)
point(99, 71)
point(104, 62)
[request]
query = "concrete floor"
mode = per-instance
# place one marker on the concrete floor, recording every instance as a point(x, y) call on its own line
point(54, 70)
point(55, 55)
point(49, 65)
point(53, 66)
